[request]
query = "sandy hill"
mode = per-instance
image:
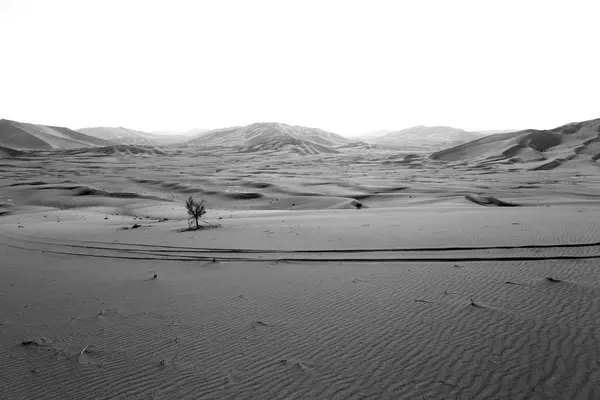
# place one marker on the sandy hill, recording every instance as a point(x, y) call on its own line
point(273, 137)
point(6, 152)
point(116, 150)
point(20, 135)
point(428, 134)
point(544, 149)
point(126, 136)
point(120, 135)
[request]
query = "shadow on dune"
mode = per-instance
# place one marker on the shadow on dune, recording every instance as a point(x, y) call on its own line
point(200, 228)
point(489, 201)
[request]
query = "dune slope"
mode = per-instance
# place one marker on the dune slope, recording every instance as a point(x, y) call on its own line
point(8, 152)
point(273, 137)
point(120, 135)
point(542, 149)
point(20, 135)
point(425, 134)
point(123, 149)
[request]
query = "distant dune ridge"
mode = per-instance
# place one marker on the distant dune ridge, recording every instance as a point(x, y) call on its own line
point(535, 149)
point(121, 149)
point(20, 135)
point(373, 135)
point(120, 135)
point(270, 136)
point(428, 134)
point(543, 149)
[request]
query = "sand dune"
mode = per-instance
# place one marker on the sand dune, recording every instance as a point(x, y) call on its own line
point(137, 150)
point(19, 135)
point(127, 136)
point(69, 195)
point(7, 152)
point(273, 137)
point(356, 146)
point(120, 135)
point(425, 134)
point(286, 145)
point(539, 149)
point(424, 139)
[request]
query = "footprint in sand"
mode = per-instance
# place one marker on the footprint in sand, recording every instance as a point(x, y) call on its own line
point(302, 366)
point(298, 365)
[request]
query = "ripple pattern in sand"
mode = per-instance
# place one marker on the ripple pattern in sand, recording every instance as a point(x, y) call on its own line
point(323, 331)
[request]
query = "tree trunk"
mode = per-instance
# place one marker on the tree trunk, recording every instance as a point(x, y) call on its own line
point(197, 225)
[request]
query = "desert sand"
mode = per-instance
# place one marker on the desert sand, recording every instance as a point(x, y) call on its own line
point(356, 275)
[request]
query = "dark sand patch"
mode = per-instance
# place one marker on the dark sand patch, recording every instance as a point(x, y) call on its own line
point(489, 201)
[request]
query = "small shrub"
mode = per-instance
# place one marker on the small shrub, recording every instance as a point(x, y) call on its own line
point(195, 210)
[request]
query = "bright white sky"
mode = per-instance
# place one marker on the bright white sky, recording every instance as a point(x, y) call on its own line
point(344, 66)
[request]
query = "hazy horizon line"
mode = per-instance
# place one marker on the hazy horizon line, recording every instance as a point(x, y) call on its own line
point(180, 131)
point(176, 131)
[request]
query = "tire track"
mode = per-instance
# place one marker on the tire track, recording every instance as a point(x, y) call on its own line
point(148, 256)
point(324, 251)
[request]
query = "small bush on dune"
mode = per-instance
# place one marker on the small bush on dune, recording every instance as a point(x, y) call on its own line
point(195, 210)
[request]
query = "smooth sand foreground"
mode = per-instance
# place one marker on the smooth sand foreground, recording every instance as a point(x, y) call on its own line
point(472, 317)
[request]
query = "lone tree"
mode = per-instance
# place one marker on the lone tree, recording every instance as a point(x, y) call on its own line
point(195, 210)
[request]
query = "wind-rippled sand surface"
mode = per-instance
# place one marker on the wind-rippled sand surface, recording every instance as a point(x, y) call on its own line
point(429, 290)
